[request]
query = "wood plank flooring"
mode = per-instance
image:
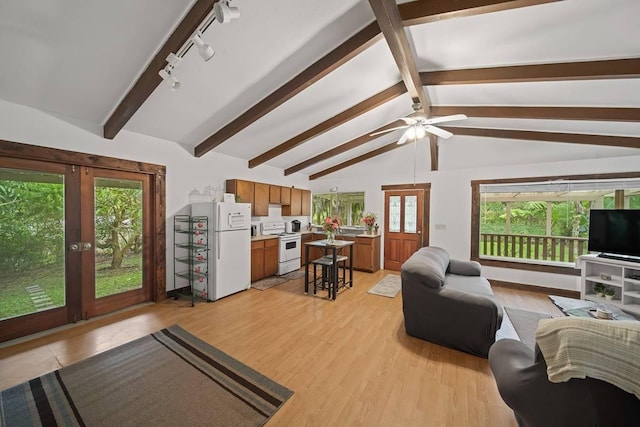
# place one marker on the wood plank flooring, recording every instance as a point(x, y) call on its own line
point(349, 361)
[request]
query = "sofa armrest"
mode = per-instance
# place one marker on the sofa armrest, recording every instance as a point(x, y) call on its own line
point(464, 268)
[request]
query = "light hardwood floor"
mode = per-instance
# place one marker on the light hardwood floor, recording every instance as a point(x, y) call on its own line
point(349, 361)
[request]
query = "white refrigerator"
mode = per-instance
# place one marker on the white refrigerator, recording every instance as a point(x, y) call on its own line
point(229, 242)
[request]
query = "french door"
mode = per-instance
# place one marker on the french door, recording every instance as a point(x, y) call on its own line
point(405, 219)
point(72, 243)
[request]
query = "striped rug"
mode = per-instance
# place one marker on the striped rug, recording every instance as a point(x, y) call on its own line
point(166, 378)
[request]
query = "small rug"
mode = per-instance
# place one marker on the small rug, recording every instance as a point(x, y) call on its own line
point(167, 378)
point(294, 275)
point(525, 323)
point(268, 282)
point(389, 286)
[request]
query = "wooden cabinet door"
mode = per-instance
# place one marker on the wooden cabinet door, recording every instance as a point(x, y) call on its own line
point(346, 251)
point(257, 260)
point(307, 237)
point(285, 196)
point(295, 209)
point(306, 203)
point(260, 199)
point(363, 255)
point(242, 189)
point(270, 257)
point(275, 194)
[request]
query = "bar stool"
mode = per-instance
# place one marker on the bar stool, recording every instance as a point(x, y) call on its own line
point(328, 273)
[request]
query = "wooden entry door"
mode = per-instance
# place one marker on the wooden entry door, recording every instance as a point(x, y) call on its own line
point(405, 219)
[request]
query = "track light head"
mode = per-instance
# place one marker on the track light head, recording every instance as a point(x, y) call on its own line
point(225, 13)
point(204, 49)
point(173, 83)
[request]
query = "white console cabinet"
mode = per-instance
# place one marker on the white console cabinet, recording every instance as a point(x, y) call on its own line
point(625, 280)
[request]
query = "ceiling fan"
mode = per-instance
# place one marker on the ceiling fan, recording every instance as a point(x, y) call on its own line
point(417, 124)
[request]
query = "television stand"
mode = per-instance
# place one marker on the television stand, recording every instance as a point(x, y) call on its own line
point(618, 257)
point(616, 273)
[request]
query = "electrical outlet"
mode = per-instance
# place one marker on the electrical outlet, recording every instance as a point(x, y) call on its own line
point(441, 226)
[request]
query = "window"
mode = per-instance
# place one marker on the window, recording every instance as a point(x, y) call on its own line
point(349, 207)
point(540, 221)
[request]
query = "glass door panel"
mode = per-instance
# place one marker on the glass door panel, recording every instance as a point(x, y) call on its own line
point(118, 236)
point(32, 242)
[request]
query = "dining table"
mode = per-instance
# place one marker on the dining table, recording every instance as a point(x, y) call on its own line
point(334, 248)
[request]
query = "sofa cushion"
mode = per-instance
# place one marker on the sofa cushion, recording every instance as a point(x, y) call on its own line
point(469, 284)
point(465, 268)
point(427, 266)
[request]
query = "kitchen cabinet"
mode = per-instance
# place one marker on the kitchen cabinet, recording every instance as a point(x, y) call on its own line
point(243, 190)
point(275, 194)
point(367, 255)
point(306, 237)
point(285, 196)
point(306, 203)
point(260, 205)
point(295, 207)
point(264, 258)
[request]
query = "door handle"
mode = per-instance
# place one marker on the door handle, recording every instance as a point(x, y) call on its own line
point(74, 247)
point(86, 246)
point(79, 246)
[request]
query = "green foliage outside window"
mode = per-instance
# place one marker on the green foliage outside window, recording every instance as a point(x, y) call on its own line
point(349, 207)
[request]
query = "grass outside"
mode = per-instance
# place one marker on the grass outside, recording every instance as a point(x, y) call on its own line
point(15, 300)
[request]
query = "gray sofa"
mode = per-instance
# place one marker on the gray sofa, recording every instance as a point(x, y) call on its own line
point(447, 302)
point(521, 377)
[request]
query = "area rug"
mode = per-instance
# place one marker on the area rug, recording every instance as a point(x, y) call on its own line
point(167, 378)
point(525, 323)
point(268, 282)
point(389, 286)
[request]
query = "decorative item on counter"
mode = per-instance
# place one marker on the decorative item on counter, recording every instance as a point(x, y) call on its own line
point(331, 226)
point(369, 220)
point(376, 228)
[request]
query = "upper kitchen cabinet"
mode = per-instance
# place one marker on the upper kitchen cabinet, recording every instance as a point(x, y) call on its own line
point(306, 203)
point(285, 196)
point(295, 207)
point(275, 194)
point(242, 189)
point(261, 194)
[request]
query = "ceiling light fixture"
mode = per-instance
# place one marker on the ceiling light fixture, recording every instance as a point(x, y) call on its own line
point(222, 13)
point(167, 72)
point(225, 13)
point(204, 49)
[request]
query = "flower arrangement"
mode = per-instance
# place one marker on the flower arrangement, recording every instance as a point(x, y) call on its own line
point(331, 225)
point(369, 220)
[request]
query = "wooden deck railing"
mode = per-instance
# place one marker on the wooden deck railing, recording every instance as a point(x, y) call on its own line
point(548, 248)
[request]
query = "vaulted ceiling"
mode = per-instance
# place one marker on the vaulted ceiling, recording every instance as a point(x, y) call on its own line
point(301, 85)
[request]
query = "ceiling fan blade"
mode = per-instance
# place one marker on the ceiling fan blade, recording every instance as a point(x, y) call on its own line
point(387, 130)
point(445, 119)
point(437, 131)
point(403, 138)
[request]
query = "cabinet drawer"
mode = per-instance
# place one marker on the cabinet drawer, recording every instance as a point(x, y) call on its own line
point(270, 243)
point(257, 245)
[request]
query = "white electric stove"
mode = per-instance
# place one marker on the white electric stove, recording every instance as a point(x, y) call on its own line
point(288, 246)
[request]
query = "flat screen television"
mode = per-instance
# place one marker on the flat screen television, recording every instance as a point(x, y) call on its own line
point(615, 231)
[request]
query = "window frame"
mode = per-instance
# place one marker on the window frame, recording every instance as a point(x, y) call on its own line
point(531, 265)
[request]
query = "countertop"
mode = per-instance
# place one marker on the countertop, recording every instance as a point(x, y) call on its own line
point(263, 237)
point(370, 236)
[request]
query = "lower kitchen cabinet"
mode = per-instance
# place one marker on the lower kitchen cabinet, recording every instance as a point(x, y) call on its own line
point(264, 258)
point(367, 255)
point(306, 237)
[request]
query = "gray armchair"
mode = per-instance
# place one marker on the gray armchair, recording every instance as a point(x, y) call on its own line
point(447, 302)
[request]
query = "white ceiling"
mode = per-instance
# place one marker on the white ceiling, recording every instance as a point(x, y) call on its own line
point(77, 59)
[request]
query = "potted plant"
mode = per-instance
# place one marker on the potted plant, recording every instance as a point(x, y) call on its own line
point(598, 289)
point(609, 293)
point(369, 220)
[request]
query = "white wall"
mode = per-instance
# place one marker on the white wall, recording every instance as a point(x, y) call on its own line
point(463, 160)
point(184, 171)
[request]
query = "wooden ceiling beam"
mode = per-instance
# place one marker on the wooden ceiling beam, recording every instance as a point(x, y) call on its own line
point(361, 41)
point(424, 11)
point(571, 138)
point(356, 142)
point(356, 160)
point(149, 79)
point(588, 70)
point(388, 17)
point(613, 114)
point(433, 147)
point(341, 118)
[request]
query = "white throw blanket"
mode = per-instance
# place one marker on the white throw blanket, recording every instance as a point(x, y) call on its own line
point(577, 347)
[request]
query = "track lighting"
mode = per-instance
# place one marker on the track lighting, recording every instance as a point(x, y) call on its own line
point(225, 13)
point(167, 72)
point(204, 49)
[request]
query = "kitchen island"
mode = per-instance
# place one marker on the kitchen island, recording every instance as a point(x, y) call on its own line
point(366, 251)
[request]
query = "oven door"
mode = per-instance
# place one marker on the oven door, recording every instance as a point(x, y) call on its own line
point(289, 249)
